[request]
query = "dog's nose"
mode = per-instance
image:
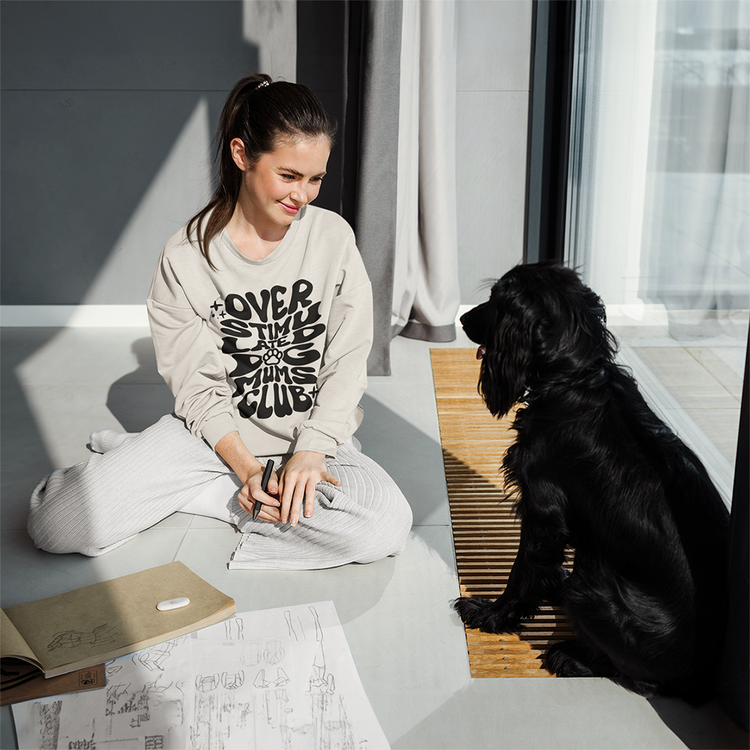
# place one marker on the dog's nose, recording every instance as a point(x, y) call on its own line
point(469, 314)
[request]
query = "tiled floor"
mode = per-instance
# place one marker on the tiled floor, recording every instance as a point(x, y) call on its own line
point(704, 385)
point(692, 375)
point(409, 647)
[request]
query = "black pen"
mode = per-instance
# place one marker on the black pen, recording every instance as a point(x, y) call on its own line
point(263, 486)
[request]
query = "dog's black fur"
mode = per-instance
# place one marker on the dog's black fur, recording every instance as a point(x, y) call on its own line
point(596, 470)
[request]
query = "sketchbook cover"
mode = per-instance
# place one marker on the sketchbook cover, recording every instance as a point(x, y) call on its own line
point(97, 623)
point(22, 681)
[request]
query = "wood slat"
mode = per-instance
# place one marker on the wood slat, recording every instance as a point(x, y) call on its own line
point(486, 532)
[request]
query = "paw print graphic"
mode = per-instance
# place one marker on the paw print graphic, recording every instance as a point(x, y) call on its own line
point(272, 356)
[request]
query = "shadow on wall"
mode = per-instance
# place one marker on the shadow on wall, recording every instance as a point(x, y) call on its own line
point(95, 96)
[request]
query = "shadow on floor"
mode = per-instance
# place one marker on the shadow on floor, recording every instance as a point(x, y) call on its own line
point(154, 397)
point(704, 728)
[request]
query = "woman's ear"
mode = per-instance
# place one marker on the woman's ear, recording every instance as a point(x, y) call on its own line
point(237, 149)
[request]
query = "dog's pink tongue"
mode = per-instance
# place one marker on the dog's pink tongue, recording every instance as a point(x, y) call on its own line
point(481, 351)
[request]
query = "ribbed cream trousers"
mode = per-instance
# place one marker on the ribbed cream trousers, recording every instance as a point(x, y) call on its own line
point(99, 504)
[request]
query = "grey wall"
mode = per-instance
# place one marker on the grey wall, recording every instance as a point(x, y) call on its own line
point(108, 109)
point(494, 48)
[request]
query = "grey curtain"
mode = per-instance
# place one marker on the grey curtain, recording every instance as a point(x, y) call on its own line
point(370, 151)
point(426, 293)
point(397, 67)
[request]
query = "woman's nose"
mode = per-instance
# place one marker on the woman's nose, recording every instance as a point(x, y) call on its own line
point(299, 194)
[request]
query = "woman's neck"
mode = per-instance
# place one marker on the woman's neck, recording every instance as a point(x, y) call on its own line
point(253, 241)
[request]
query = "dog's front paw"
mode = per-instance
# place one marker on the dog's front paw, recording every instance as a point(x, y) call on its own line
point(472, 611)
point(485, 615)
point(568, 659)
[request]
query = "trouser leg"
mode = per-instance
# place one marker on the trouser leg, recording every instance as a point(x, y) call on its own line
point(95, 505)
point(366, 519)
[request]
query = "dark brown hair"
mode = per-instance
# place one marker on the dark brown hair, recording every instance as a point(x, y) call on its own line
point(260, 113)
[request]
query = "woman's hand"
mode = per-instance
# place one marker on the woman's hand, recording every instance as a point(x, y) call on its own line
point(250, 472)
point(252, 493)
point(286, 494)
point(299, 478)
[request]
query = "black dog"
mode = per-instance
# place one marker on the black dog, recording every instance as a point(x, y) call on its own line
point(596, 470)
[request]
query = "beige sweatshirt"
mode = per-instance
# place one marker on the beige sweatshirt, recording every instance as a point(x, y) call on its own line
point(275, 349)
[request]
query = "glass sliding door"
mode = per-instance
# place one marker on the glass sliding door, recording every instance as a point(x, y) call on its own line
point(659, 202)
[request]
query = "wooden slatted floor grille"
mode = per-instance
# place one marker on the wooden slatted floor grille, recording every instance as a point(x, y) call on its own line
point(485, 530)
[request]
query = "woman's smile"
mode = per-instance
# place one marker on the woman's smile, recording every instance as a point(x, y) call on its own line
point(290, 208)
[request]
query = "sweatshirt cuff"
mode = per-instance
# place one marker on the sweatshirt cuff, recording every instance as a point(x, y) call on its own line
point(312, 440)
point(217, 428)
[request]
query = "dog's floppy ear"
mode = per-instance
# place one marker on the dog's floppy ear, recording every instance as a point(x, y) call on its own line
point(507, 362)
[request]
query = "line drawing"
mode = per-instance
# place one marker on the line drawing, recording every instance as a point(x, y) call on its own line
point(250, 655)
point(234, 629)
point(290, 625)
point(274, 653)
point(114, 694)
point(73, 638)
point(232, 681)
point(154, 657)
point(207, 683)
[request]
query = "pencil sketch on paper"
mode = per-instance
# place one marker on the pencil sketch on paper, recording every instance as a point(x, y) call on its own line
point(153, 658)
point(274, 653)
point(250, 654)
point(232, 681)
point(234, 629)
point(276, 709)
point(132, 705)
point(206, 684)
point(48, 716)
point(100, 635)
point(281, 678)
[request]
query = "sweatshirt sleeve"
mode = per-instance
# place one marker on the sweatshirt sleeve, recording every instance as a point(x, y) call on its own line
point(188, 358)
point(343, 374)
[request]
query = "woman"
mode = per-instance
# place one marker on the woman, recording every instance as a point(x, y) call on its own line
point(261, 317)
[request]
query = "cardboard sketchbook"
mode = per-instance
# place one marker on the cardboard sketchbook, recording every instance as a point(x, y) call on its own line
point(91, 625)
point(22, 681)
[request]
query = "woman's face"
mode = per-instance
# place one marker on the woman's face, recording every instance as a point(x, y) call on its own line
point(282, 181)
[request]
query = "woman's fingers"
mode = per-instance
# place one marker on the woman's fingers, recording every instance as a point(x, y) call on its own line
point(327, 477)
point(273, 485)
point(309, 506)
point(292, 494)
point(269, 514)
point(252, 493)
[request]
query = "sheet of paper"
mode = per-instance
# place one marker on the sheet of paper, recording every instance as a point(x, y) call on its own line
point(279, 678)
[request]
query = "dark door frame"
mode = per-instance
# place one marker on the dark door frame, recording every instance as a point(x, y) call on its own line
point(550, 96)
